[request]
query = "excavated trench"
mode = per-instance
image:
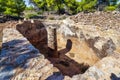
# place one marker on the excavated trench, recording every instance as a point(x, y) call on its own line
point(68, 54)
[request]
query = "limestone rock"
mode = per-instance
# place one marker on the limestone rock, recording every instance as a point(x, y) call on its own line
point(106, 69)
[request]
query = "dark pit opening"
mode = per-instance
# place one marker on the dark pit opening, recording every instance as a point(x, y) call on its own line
point(64, 63)
point(37, 35)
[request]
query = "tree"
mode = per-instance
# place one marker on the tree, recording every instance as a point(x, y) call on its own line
point(112, 5)
point(29, 8)
point(41, 4)
point(59, 6)
point(49, 5)
point(72, 6)
point(2, 6)
point(19, 6)
point(87, 5)
point(107, 4)
point(12, 7)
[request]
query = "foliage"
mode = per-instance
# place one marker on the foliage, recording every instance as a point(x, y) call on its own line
point(31, 15)
point(2, 5)
point(12, 7)
point(109, 5)
point(59, 6)
point(112, 5)
point(48, 5)
point(110, 8)
point(29, 8)
point(73, 6)
point(88, 5)
point(41, 4)
point(40, 12)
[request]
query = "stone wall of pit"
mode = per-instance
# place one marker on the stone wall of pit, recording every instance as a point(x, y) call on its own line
point(1, 36)
point(36, 33)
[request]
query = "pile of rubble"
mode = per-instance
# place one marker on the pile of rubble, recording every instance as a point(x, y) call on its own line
point(107, 20)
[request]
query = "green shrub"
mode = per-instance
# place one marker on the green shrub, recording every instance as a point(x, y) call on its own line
point(40, 12)
point(110, 8)
point(31, 15)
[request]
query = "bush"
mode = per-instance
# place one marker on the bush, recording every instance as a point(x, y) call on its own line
point(31, 16)
point(110, 8)
point(40, 12)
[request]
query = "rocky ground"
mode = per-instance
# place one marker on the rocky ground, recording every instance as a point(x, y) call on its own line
point(89, 39)
point(80, 42)
point(19, 60)
point(106, 20)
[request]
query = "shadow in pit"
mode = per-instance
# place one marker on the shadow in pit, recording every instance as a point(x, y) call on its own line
point(103, 52)
point(15, 54)
point(114, 77)
point(37, 34)
point(56, 76)
point(67, 65)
